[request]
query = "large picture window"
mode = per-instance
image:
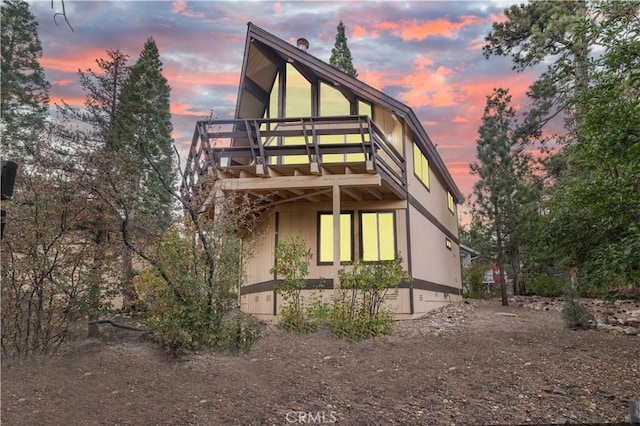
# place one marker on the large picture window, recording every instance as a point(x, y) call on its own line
point(325, 237)
point(420, 166)
point(378, 236)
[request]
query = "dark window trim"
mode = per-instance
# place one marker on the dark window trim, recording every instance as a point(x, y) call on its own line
point(413, 166)
point(320, 213)
point(453, 203)
point(395, 232)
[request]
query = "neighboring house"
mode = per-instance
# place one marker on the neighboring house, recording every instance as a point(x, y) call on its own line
point(467, 255)
point(344, 166)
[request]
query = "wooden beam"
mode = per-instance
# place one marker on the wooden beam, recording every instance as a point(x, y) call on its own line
point(353, 194)
point(296, 198)
point(299, 182)
point(336, 235)
point(374, 192)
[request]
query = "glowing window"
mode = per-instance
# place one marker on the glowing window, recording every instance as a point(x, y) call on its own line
point(325, 238)
point(298, 98)
point(332, 102)
point(364, 108)
point(420, 166)
point(450, 203)
point(378, 236)
point(448, 243)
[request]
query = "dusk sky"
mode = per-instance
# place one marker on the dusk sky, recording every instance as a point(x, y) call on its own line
point(427, 54)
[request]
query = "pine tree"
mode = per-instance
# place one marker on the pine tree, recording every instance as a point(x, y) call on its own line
point(144, 135)
point(144, 130)
point(24, 90)
point(542, 31)
point(341, 55)
point(502, 168)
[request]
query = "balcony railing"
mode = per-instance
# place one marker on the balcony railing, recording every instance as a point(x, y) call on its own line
point(257, 144)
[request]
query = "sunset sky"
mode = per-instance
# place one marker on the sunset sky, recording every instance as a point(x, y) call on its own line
point(427, 54)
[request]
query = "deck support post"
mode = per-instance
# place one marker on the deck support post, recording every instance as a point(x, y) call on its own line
point(336, 233)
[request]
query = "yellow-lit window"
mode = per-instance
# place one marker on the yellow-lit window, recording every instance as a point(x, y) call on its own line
point(420, 166)
point(294, 159)
point(298, 99)
point(450, 203)
point(378, 236)
point(364, 108)
point(332, 102)
point(448, 243)
point(325, 238)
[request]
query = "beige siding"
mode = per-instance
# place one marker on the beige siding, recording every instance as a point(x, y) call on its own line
point(433, 199)
point(430, 258)
point(424, 301)
point(390, 126)
point(259, 264)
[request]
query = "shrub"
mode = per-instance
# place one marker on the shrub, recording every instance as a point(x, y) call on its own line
point(472, 279)
point(358, 312)
point(183, 312)
point(546, 286)
point(292, 264)
point(573, 312)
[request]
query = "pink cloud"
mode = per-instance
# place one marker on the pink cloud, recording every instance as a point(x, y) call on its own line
point(419, 30)
point(184, 109)
point(180, 7)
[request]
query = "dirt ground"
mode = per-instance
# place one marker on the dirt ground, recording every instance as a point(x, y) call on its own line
point(468, 363)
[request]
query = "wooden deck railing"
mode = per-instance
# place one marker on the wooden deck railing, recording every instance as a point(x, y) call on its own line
point(258, 144)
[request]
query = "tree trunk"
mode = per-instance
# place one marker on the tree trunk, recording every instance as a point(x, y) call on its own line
point(503, 283)
point(95, 285)
point(129, 294)
point(518, 279)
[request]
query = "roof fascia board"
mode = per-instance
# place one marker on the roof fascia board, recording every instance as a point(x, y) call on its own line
point(245, 60)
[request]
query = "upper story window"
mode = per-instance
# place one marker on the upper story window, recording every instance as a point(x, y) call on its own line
point(298, 94)
point(332, 102)
point(420, 166)
point(450, 203)
point(364, 109)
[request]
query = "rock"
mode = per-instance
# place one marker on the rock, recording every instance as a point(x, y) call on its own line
point(632, 322)
point(635, 314)
point(630, 331)
point(327, 358)
point(603, 327)
point(506, 314)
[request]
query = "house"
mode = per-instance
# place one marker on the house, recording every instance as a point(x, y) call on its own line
point(467, 255)
point(344, 166)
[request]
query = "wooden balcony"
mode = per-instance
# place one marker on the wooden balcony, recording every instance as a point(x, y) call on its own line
point(297, 158)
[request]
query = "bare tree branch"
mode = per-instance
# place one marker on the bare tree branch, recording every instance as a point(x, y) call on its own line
point(63, 14)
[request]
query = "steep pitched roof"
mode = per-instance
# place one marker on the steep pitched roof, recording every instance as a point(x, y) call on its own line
point(263, 55)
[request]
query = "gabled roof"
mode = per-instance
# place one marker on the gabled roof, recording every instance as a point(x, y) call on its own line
point(265, 53)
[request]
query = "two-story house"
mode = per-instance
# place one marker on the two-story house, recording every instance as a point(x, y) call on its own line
point(342, 165)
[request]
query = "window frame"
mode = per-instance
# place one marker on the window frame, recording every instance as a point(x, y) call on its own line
point(451, 204)
point(361, 236)
point(319, 261)
point(426, 184)
point(448, 243)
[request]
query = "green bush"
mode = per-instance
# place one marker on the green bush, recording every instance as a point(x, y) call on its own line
point(546, 286)
point(182, 312)
point(358, 311)
point(472, 280)
point(292, 264)
point(573, 312)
